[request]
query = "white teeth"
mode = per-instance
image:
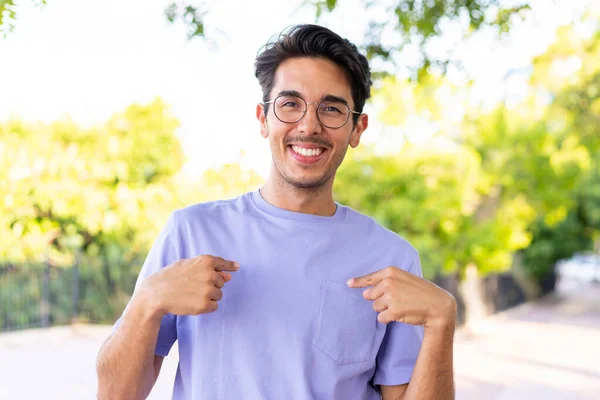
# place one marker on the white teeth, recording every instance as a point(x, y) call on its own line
point(307, 152)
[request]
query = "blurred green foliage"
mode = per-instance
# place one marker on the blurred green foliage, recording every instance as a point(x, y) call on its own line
point(515, 180)
point(100, 194)
point(569, 72)
point(86, 188)
point(8, 14)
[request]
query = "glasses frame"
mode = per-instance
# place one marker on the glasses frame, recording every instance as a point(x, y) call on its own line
point(317, 103)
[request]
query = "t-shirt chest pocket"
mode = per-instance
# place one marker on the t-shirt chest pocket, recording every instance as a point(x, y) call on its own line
point(346, 324)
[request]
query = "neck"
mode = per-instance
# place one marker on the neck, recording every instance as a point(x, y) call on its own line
point(314, 200)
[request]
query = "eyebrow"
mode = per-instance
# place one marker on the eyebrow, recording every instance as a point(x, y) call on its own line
point(329, 97)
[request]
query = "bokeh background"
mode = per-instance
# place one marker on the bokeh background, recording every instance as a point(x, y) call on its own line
point(483, 151)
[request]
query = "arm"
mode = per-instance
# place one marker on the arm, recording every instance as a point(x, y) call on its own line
point(400, 296)
point(127, 367)
point(433, 376)
point(393, 392)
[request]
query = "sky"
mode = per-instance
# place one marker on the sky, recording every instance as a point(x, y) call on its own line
point(87, 60)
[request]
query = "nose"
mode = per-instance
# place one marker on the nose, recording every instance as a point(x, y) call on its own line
point(309, 124)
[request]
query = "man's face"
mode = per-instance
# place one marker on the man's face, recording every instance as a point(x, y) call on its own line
point(314, 80)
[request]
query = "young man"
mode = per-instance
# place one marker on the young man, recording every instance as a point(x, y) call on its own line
point(282, 293)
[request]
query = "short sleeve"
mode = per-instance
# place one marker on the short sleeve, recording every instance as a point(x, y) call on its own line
point(164, 252)
point(400, 348)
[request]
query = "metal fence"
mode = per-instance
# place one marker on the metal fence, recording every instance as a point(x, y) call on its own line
point(42, 294)
point(37, 295)
point(96, 291)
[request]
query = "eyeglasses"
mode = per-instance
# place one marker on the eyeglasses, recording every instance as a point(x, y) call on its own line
point(331, 114)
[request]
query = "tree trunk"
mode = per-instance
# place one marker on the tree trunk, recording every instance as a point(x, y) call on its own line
point(529, 286)
point(471, 291)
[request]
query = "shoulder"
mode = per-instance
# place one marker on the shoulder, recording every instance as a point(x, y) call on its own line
point(381, 237)
point(211, 210)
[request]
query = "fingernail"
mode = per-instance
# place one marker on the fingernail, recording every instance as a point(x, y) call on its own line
point(350, 281)
point(236, 265)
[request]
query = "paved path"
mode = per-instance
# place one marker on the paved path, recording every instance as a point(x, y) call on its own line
point(546, 350)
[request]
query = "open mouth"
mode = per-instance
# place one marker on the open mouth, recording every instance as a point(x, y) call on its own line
point(307, 155)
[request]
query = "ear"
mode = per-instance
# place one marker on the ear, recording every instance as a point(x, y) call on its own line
point(262, 119)
point(359, 128)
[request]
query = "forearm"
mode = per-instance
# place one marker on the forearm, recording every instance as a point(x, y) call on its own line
point(125, 364)
point(433, 376)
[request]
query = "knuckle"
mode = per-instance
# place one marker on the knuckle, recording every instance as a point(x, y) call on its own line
point(208, 259)
point(386, 283)
point(213, 276)
point(218, 260)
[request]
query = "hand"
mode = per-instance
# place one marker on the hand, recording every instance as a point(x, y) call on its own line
point(400, 296)
point(190, 286)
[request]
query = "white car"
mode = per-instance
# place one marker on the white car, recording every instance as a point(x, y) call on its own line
point(581, 267)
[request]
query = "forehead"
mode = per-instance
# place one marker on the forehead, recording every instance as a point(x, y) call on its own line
point(314, 78)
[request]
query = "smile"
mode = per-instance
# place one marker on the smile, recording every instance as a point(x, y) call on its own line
point(307, 155)
point(312, 152)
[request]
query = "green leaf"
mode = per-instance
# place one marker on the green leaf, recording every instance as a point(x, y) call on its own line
point(171, 12)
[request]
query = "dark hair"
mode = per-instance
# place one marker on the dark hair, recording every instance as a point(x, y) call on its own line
point(320, 42)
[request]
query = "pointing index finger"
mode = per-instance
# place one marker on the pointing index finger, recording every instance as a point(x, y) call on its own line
point(371, 279)
point(224, 265)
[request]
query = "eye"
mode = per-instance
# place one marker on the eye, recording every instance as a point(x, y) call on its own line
point(332, 108)
point(289, 102)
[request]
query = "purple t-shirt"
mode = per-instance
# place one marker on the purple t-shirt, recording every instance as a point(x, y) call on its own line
point(288, 326)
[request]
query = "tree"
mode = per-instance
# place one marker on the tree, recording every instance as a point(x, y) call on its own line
point(513, 181)
point(440, 200)
point(569, 73)
point(412, 22)
point(8, 14)
point(49, 167)
point(99, 195)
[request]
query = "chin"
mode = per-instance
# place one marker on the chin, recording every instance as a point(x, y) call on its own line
point(307, 182)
